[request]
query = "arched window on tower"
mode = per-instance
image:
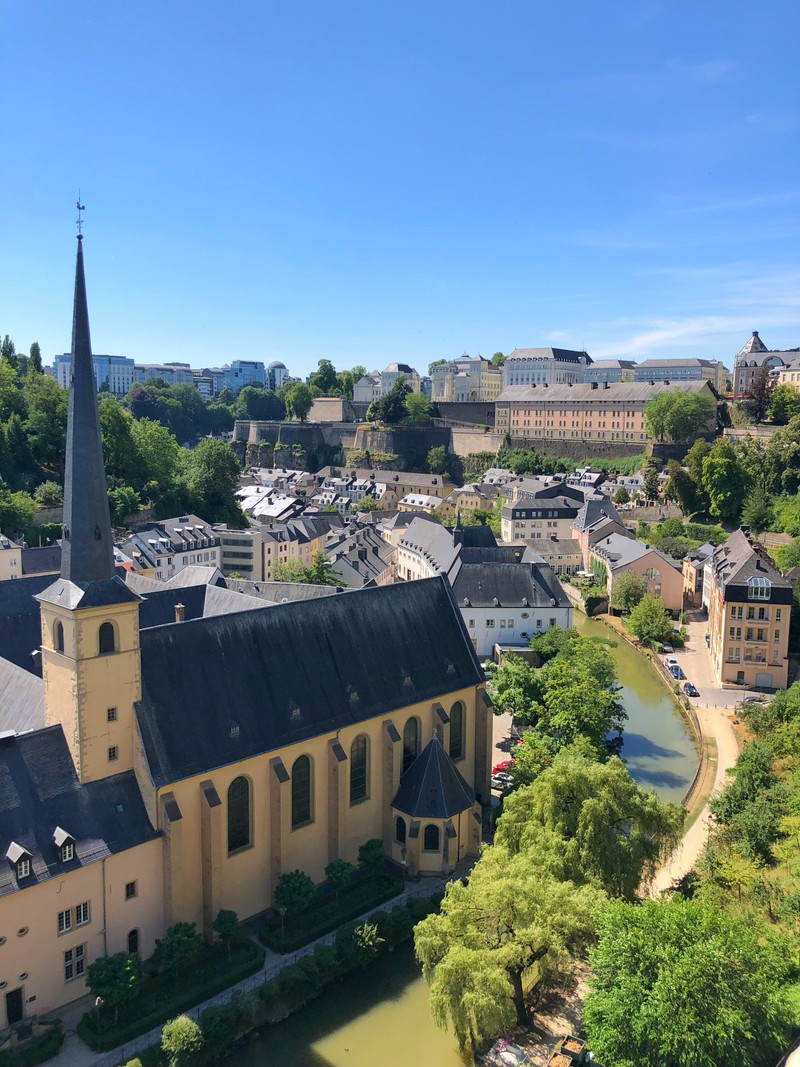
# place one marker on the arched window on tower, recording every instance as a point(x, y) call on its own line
point(107, 638)
point(301, 791)
point(400, 830)
point(239, 814)
point(359, 769)
point(410, 742)
point(430, 839)
point(457, 730)
point(58, 636)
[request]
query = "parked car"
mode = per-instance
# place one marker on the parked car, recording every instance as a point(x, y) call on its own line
point(676, 671)
point(667, 648)
point(753, 700)
point(690, 690)
point(502, 781)
point(670, 662)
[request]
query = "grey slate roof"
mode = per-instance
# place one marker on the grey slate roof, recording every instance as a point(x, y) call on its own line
point(736, 560)
point(39, 791)
point(563, 354)
point(256, 668)
point(20, 625)
point(484, 585)
point(87, 542)
point(21, 699)
point(616, 393)
point(432, 787)
point(44, 560)
point(596, 508)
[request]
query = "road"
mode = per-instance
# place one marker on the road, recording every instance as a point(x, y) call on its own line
point(714, 710)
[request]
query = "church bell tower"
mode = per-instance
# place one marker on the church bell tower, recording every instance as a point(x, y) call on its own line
point(90, 619)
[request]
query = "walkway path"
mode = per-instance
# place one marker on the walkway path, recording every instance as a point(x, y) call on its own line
point(74, 1053)
point(715, 723)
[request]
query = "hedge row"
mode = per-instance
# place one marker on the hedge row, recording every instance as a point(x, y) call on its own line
point(37, 1050)
point(324, 917)
point(100, 1034)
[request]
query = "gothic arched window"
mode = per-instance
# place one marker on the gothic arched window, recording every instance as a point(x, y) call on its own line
point(239, 814)
point(301, 791)
point(58, 636)
point(107, 639)
point(430, 839)
point(410, 742)
point(400, 829)
point(359, 768)
point(457, 730)
point(133, 942)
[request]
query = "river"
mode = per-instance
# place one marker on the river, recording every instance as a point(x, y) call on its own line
point(380, 1018)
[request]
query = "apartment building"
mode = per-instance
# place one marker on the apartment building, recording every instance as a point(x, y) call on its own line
point(749, 609)
point(468, 379)
point(683, 370)
point(621, 553)
point(539, 507)
point(544, 366)
point(583, 412)
point(167, 546)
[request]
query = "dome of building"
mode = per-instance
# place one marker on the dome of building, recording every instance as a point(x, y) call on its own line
point(276, 365)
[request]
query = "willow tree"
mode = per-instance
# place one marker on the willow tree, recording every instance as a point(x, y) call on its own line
point(591, 822)
point(500, 941)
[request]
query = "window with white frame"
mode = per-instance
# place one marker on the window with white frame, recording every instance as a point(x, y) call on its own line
point(74, 963)
point(758, 588)
point(67, 851)
point(65, 921)
point(82, 913)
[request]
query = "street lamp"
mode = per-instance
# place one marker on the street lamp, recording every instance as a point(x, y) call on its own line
point(282, 913)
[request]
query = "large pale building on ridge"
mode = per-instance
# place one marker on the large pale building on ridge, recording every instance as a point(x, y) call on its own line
point(159, 773)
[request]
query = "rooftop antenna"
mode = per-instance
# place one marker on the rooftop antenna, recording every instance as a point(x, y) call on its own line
point(79, 220)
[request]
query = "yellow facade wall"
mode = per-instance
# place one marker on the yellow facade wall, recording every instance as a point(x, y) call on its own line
point(34, 960)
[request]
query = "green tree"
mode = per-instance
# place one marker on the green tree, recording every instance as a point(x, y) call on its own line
point(685, 984)
point(339, 873)
point(436, 363)
point(35, 359)
point(373, 855)
point(225, 926)
point(517, 690)
point(254, 402)
point(46, 422)
point(116, 979)
point(757, 397)
point(158, 452)
point(590, 822)
point(119, 450)
point(345, 383)
point(418, 409)
point(212, 476)
point(16, 513)
point(436, 461)
point(294, 892)
point(783, 453)
point(391, 408)
point(694, 460)
point(627, 591)
point(757, 511)
point(298, 401)
point(724, 480)
point(367, 503)
point(8, 353)
point(679, 415)
point(178, 948)
point(511, 929)
point(649, 620)
point(498, 359)
point(784, 403)
point(323, 378)
point(50, 494)
point(322, 571)
point(622, 496)
point(290, 570)
point(650, 483)
point(12, 399)
point(182, 1040)
point(123, 501)
point(681, 487)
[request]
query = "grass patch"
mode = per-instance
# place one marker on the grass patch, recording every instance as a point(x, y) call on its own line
point(325, 914)
point(162, 999)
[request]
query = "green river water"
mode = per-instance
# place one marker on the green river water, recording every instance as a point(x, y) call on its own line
point(380, 1018)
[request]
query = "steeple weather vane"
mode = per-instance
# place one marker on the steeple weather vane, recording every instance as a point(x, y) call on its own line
point(79, 220)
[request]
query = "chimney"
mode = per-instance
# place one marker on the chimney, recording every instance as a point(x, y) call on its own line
point(180, 613)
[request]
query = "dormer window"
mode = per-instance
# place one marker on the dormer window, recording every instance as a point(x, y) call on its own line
point(20, 859)
point(758, 588)
point(65, 843)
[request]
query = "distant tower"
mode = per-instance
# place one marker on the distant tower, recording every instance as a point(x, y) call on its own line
point(90, 619)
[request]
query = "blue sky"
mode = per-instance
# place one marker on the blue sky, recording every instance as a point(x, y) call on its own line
point(369, 182)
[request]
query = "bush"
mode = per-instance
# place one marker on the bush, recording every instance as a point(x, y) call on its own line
point(37, 1050)
point(182, 1039)
point(219, 1024)
point(161, 1001)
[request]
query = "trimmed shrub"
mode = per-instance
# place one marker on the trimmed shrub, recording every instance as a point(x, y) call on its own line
point(37, 1050)
point(219, 1024)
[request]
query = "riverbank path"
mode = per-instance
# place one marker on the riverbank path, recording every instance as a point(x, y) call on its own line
point(714, 713)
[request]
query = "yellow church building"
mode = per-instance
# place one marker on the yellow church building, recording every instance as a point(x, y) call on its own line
point(182, 768)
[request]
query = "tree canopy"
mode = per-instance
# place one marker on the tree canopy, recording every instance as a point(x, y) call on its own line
point(679, 415)
point(684, 984)
point(649, 620)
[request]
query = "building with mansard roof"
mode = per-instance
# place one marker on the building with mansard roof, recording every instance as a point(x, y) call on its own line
point(177, 756)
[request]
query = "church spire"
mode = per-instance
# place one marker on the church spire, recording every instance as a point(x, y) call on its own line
point(87, 546)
